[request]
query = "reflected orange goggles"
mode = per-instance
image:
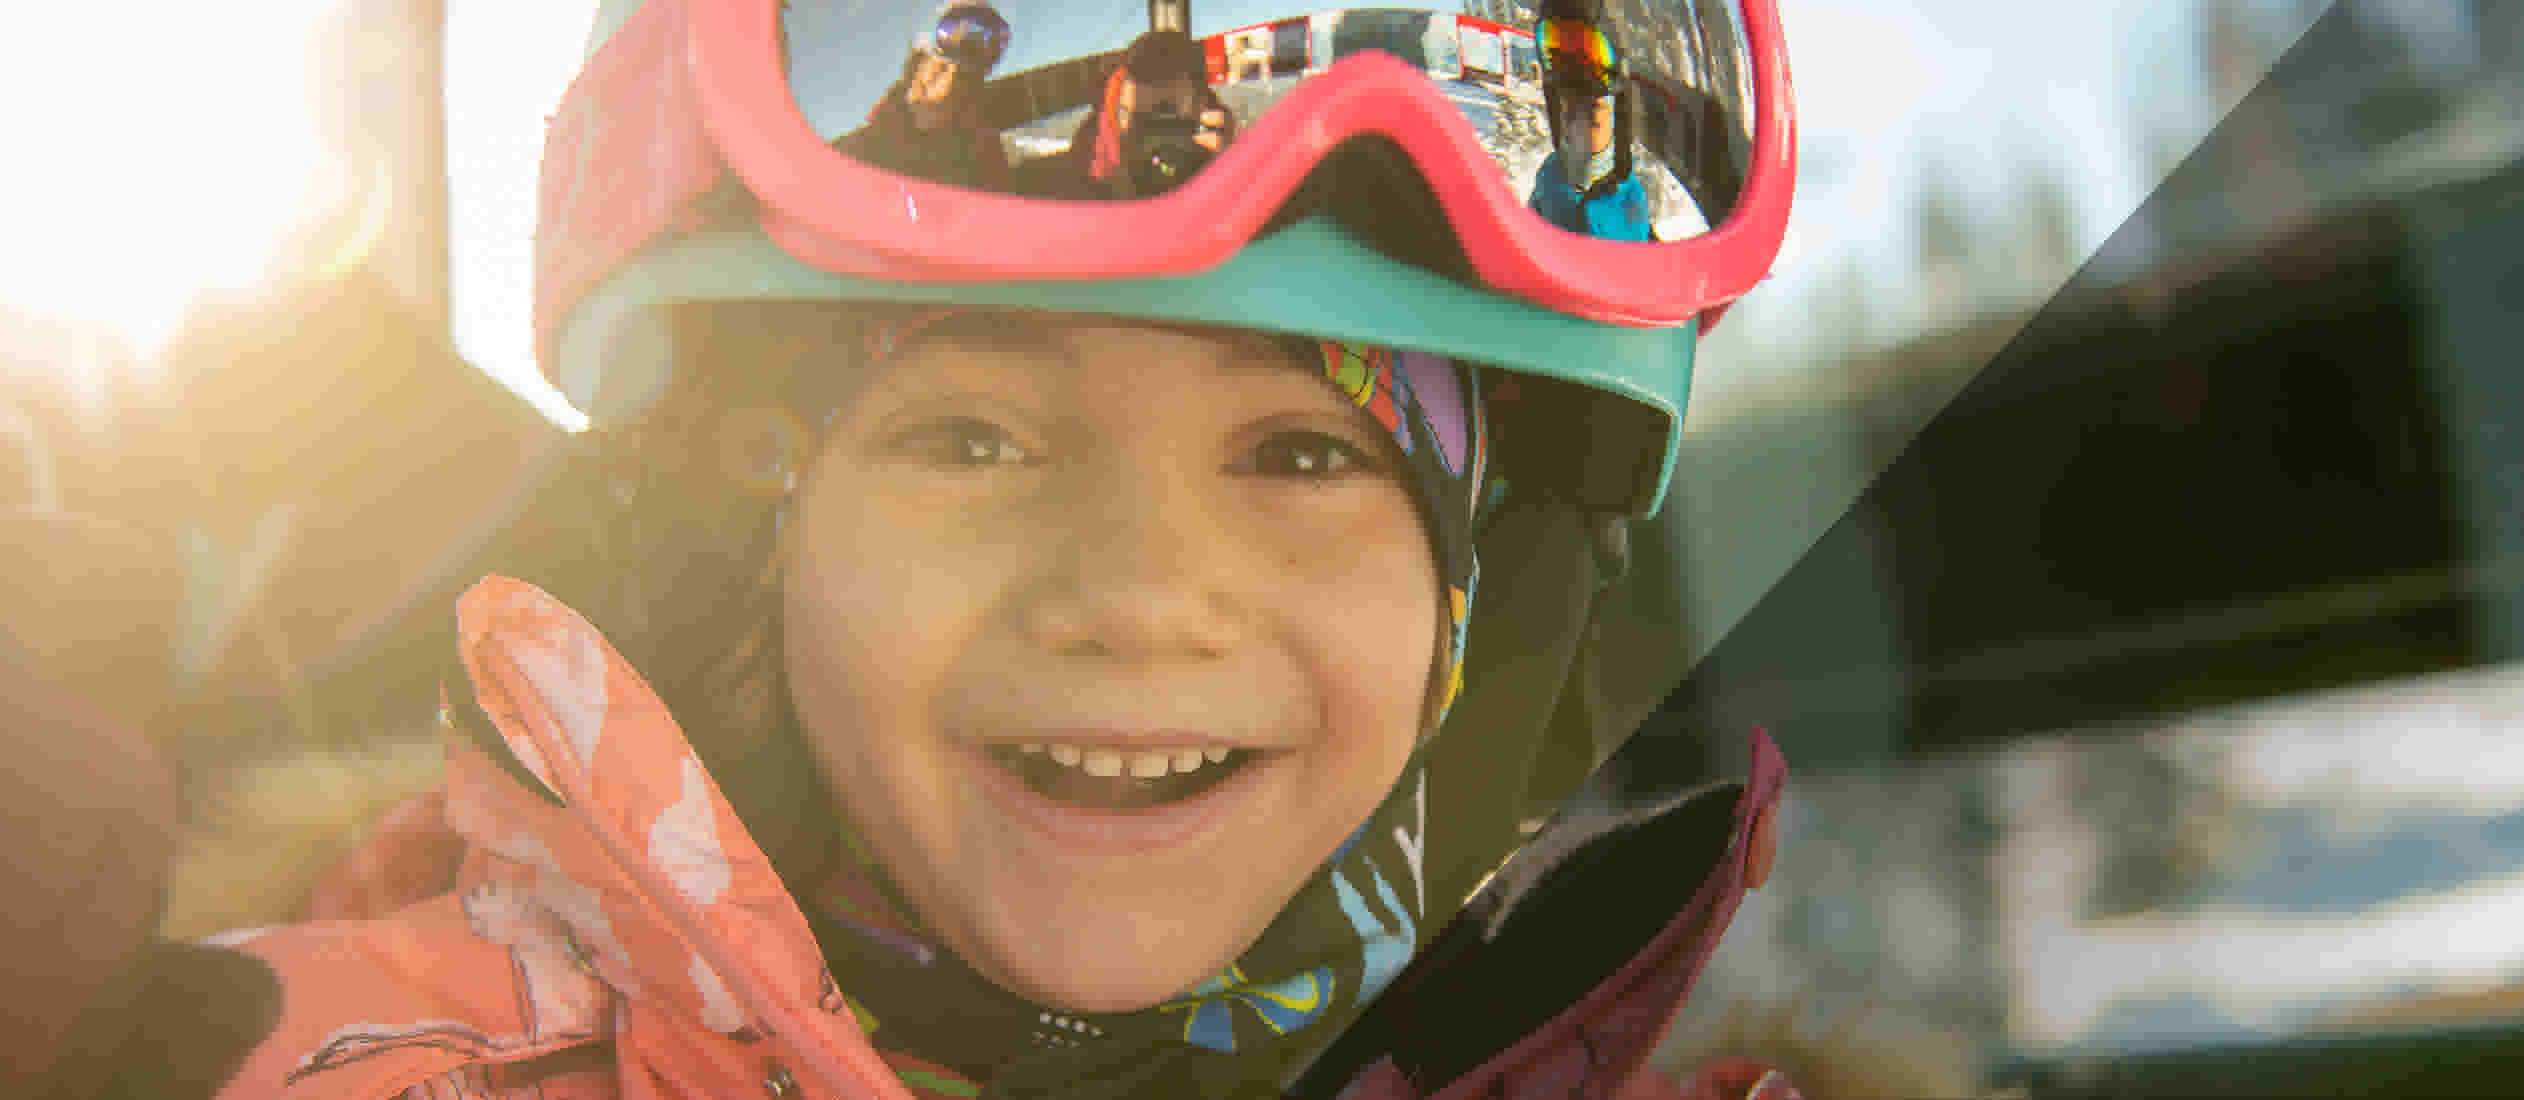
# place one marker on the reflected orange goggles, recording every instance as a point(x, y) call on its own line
point(1575, 43)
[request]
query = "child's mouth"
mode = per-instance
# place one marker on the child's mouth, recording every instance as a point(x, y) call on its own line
point(1115, 779)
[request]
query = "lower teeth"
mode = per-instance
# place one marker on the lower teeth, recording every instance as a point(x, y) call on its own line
point(1062, 783)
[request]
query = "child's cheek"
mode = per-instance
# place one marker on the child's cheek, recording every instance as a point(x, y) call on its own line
point(1371, 614)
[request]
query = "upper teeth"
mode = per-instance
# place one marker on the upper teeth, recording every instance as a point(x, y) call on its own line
point(1143, 764)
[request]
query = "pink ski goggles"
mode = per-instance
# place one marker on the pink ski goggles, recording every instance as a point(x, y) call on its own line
point(688, 96)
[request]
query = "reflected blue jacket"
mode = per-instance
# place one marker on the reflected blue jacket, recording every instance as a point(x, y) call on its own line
point(1615, 211)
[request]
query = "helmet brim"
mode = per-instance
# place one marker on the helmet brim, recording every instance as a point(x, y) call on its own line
point(1313, 269)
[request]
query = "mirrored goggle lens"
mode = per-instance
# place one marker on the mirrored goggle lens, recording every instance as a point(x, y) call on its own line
point(1570, 44)
point(970, 36)
point(1087, 103)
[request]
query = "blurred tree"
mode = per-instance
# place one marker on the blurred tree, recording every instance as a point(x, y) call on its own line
point(2166, 823)
point(2045, 228)
point(1844, 317)
point(1941, 242)
point(2498, 32)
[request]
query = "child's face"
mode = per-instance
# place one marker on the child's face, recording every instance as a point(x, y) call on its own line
point(1588, 120)
point(1035, 552)
point(932, 81)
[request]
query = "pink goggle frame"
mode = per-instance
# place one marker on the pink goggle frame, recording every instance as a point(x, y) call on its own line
point(687, 91)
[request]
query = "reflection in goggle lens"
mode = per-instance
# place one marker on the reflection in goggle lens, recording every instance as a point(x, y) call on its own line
point(1570, 43)
point(1073, 119)
point(971, 36)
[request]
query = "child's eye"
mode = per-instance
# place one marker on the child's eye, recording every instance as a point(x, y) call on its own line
point(1304, 454)
point(960, 443)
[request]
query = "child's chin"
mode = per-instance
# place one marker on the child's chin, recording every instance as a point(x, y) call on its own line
point(1111, 982)
point(1116, 1001)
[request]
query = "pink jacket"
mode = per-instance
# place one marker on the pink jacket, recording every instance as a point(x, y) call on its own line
point(628, 939)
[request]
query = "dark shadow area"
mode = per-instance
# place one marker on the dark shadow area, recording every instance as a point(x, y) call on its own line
point(2248, 472)
point(2264, 445)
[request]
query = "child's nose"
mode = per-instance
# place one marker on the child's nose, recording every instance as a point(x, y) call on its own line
point(1142, 566)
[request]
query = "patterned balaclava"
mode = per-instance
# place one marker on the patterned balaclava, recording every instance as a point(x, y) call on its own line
point(1336, 944)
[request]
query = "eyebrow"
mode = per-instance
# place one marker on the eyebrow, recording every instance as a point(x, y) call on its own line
point(991, 330)
point(986, 330)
